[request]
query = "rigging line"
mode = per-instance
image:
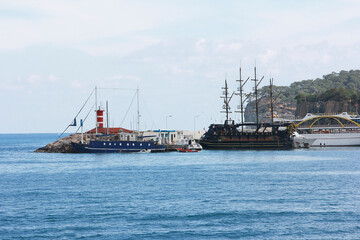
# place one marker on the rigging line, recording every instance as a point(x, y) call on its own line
point(152, 119)
point(86, 117)
point(128, 110)
point(85, 103)
point(126, 89)
point(63, 131)
point(78, 112)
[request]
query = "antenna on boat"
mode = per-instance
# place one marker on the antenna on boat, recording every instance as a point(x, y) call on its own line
point(257, 83)
point(241, 94)
point(82, 130)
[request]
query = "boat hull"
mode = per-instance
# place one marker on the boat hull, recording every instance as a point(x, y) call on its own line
point(250, 144)
point(228, 136)
point(117, 147)
point(187, 150)
point(302, 142)
point(334, 139)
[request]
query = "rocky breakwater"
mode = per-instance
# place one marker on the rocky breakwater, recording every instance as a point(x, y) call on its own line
point(63, 145)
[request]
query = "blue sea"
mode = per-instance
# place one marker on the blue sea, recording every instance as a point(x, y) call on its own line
point(295, 194)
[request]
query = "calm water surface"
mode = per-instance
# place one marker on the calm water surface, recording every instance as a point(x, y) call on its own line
point(297, 194)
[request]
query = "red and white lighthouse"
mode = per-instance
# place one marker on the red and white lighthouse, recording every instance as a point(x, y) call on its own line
point(99, 118)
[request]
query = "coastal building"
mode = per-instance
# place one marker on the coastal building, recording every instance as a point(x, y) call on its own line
point(163, 136)
point(175, 137)
point(123, 133)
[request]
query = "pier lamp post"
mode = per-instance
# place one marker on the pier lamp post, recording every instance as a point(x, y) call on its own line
point(166, 120)
point(194, 123)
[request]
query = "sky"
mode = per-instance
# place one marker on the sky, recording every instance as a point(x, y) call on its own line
point(178, 53)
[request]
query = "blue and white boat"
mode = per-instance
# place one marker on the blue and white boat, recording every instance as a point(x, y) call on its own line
point(118, 146)
point(114, 140)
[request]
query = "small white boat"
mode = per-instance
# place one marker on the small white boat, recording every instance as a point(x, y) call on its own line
point(191, 146)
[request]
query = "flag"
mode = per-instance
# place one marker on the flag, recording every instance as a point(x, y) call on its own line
point(73, 123)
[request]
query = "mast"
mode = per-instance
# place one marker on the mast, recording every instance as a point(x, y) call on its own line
point(107, 118)
point(271, 101)
point(241, 89)
point(227, 99)
point(96, 127)
point(138, 110)
point(257, 83)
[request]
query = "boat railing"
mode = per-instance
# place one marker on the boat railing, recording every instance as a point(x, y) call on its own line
point(329, 126)
point(315, 131)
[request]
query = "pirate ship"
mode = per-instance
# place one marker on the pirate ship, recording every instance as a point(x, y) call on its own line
point(247, 135)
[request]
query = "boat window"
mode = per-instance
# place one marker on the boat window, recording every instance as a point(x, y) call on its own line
point(140, 144)
point(114, 144)
point(133, 144)
point(128, 144)
point(104, 144)
point(120, 144)
point(109, 144)
point(148, 144)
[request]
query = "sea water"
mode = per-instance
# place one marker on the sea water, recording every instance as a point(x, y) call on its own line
point(295, 194)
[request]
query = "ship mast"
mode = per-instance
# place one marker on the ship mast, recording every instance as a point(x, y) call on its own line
point(241, 90)
point(138, 110)
point(227, 99)
point(271, 100)
point(107, 118)
point(257, 83)
point(96, 127)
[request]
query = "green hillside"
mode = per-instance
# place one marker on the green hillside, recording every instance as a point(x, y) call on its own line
point(339, 87)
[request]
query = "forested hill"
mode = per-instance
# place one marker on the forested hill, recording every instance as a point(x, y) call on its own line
point(341, 86)
point(334, 87)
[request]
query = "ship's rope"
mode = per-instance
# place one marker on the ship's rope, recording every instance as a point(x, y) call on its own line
point(128, 110)
point(153, 125)
point(86, 117)
point(78, 112)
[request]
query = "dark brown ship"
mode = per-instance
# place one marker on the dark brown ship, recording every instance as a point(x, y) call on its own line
point(254, 135)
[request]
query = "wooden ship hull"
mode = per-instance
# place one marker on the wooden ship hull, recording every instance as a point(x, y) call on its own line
point(243, 142)
point(223, 136)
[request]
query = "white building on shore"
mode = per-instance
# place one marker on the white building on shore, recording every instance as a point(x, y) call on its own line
point(174, 137)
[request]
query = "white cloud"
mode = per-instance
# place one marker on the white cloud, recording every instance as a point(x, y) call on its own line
point(200, 44)
point(117, 79)
point(77, 23)
point(165, 47)
point(76, 84)
point(268, 56)
point(228, 46)
point(34, 79)
point(53, 79)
